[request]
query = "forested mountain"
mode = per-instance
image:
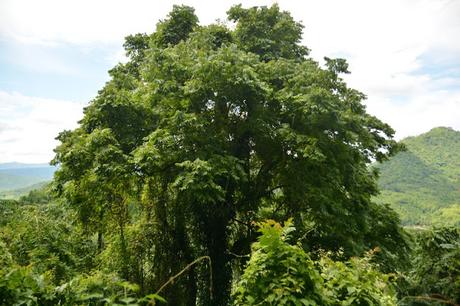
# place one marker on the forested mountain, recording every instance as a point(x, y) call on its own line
point(16, 175)
point(423, 183)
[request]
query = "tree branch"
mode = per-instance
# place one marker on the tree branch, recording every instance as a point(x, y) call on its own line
point(187, 267)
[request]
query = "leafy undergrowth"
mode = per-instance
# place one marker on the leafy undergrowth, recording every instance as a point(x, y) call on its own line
point(279, 273)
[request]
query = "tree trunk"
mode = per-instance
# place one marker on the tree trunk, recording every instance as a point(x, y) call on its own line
point(100, 241)
point(221, 271)
point(124, 253)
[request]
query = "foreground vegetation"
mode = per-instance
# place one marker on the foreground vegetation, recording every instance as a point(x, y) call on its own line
point(46, 258)
point(174, 187)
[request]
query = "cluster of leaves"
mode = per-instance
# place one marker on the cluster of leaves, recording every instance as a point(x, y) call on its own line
point(98, 288)
point(357, 281)
point(21, 285)
point(434, 277)
point(45, 259)
point(45, 237)
point(279, 273)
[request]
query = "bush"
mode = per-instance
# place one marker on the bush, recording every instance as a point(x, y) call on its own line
point(356, 282)
point(279, 273)
point(435, 276)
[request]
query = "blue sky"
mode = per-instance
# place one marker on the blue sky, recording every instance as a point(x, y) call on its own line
point(65, 71)
point(54, 56)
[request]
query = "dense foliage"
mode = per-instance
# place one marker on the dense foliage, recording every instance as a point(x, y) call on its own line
point(204, 133)
point(279, 273)
point(55, 264)
point(435, 275)
point(45, 259)
point(422, 184)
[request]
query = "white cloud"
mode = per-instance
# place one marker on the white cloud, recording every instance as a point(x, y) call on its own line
point(87, 21)
point(332, 26)
point(384, 37)
point(420, 113)
point(28, 126)
point(393, 47)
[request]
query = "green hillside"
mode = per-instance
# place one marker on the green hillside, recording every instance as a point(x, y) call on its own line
point(17, 193)
point(17, 176)
point(423, 183)
point(9, 181)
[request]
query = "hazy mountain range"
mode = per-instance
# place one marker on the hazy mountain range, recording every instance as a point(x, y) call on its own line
point(17, 175)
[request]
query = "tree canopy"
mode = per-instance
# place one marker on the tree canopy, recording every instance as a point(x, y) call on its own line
point(206, 130)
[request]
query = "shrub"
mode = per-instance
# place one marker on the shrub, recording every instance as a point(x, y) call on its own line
point(279, 273)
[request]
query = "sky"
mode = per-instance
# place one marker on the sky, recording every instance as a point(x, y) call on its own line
point(54, 57)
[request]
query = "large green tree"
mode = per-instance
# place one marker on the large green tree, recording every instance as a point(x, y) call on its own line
point(213, 129)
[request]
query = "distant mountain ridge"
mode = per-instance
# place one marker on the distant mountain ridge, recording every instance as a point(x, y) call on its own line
point(18, 175)
point(423, 183)
point(15, 165)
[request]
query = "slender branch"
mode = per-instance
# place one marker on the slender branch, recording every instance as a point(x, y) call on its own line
point(242, 222)
point(239, 256)
point(305, 235)
point(187, 267)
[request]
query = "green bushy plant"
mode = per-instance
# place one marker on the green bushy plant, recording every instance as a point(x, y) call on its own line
point(356, 282)
point(44, 236)
point(19, 285)
point(279, 273)
point(435, 275)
